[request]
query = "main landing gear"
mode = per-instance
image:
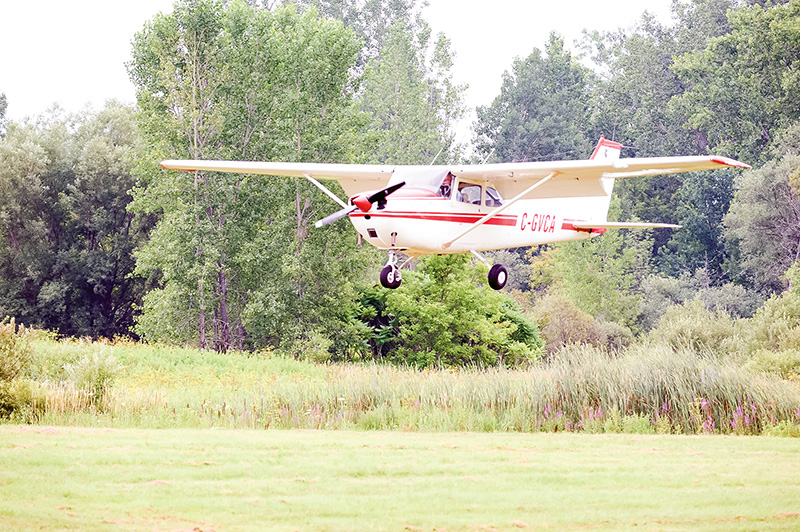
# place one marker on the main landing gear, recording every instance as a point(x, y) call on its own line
point(498, 276)
point(391, 276)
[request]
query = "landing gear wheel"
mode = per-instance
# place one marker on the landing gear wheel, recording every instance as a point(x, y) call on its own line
point(390, 276)
point(498, 276)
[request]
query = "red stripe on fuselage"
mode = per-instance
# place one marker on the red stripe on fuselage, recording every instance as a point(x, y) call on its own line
point(467, 218)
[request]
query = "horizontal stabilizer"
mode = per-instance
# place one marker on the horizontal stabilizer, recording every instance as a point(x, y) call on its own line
point(622, 225)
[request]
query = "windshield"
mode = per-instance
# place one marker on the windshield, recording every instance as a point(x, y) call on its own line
point(428, 177)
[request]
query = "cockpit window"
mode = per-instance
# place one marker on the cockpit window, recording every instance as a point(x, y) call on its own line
point(493, 198)
point(469, 193)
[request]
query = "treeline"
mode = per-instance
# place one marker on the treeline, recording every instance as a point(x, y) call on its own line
point(98, 240)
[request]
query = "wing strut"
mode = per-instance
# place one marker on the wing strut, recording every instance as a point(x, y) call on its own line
point(500, 209)
point(326, 190)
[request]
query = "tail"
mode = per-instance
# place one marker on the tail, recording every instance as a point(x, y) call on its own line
point(606, 149)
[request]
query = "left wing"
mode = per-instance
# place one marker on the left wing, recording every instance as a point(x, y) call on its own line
point(582, 178)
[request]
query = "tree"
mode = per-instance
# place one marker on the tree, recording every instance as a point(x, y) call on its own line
point(744, 85)
point(542, 110)
point(69, 238)
point(412, 101)
point(229, 81)
point(372, 20)
point(3, 109)
point(602, 276)
point(763, 223)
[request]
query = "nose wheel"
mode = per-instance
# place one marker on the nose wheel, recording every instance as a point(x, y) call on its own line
point(390, 274)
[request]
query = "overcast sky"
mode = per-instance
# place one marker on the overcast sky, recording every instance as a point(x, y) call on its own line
point(74, 52)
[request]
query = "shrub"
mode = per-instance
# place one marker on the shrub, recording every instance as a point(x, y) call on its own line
point(16, 355)
point(692, 326)
point(776, 325)
point(785, 363)
point(661, 293)
point(21, 401)
point(94, 373)
point(443, 315)
point(564, 324)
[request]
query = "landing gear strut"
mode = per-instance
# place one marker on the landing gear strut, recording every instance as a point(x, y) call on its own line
point(498, 275)
point(390, 274)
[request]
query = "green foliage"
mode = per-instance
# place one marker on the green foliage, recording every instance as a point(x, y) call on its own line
point(413, 102)
point(442, 316)
point(776, 325)
point(701, 204)
point(3, 109)
point(542, 110)
point(661, 292)
point(372, 20)
point(21, 401)
point(562, 324)
point(237, 262)
point(763, 224)
point(784, 362)
point(744, 84)
point(602, 276)
point(66, 237)
point(693, 327)
point(16, 355)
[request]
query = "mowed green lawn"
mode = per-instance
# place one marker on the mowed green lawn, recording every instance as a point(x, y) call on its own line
point(109, 479)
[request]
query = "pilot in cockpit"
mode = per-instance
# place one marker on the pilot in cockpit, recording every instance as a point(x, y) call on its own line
point(447, 186)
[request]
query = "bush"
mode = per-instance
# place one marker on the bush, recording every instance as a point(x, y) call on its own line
point(661, 293)
point(564, 324)
point(16, 355)
point(21, 401)
point(776, 325)
point(693, 327)
point(785, 363)
point(444, 315)
point(94, 373)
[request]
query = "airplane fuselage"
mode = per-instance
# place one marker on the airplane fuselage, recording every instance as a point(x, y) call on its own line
point(421, 222)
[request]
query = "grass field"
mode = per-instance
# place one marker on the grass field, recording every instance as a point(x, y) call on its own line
point(97, 479)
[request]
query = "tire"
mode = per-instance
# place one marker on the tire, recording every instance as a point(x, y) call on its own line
point(391, 277)
point(498, 276)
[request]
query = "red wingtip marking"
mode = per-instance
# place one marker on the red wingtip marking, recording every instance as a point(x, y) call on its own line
point(724, 161)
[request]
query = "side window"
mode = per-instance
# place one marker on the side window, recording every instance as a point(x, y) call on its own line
point(493, 198)
point(469, 193)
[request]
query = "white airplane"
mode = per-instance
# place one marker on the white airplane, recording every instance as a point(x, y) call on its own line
point(431, 210)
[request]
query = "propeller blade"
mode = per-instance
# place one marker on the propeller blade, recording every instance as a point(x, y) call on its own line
point(381, 194)
point(374, 198)
point(335, 216)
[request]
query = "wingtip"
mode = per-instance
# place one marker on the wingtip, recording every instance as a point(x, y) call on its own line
point(725, 161)
point(170, 164)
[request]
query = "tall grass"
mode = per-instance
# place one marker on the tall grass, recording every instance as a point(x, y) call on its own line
point(654, 389)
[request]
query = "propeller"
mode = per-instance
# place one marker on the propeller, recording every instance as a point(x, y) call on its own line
point(362, 202)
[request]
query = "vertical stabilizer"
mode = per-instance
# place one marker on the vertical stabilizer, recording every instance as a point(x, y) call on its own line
point(606, 149)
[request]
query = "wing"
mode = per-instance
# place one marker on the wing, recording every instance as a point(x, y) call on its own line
point(354, 178)
point(573, 178)
point(582, 178)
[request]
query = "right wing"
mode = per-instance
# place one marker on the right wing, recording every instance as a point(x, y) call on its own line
point(354, 178)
